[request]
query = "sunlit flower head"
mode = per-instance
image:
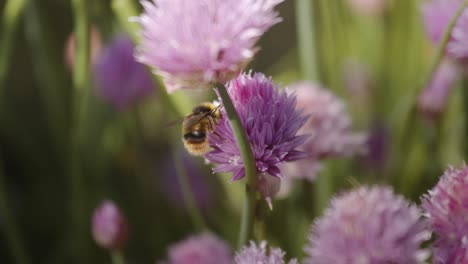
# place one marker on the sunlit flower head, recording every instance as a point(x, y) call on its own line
point(446, 207)
point(109, 226)
point(433, 99)
point(120, 79)
point(200, 249)
point(254, 254)
point(329, 127)
point(368, 225)
point(437, 15)
point(271, 121)
point(193, 43)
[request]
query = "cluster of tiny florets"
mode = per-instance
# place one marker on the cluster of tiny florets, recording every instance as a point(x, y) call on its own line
point(368, 225)
point(446, 208)
point(195, 43)
point(329, 128)
point(437, 15)
point(271, 122)
point(204, 248)
point(260, 254)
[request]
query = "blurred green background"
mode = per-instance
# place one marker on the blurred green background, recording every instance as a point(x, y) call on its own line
point(126, 156)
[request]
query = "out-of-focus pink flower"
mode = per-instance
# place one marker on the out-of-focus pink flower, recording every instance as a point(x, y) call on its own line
point(446, 207)
point(378, 145)
point(195, 43)
point(120, 79)
point(437, 15)
point(200, 249)
point(254, 254)
point(95, 46)
point(368, 225)
point(109, 226)
point(329, 127)
point(433, 98)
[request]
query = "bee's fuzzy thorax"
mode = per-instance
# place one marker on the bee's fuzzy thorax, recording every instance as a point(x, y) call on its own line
point(197, 126)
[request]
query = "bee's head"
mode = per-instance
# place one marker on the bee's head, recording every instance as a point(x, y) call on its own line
point(202, 109)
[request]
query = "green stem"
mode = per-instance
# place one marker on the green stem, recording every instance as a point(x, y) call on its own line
point(248, 213)
point(117, 257)
point(10, 17)
point(323, 191)
point(11, 229)
point(125, 9)
point(80, 98)
point(187, 193)
point(81, 69)
point(464, 88)
point(306, 31)
point(306, 39)
point(49, 73)
point(260, 217)
point(409, 122)
point(443, 44)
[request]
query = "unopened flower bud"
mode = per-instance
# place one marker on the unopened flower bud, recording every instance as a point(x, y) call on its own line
point(109, 226)
point(268, 186)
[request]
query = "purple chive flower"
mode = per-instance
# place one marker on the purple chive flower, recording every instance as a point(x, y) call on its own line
point(254, 254)
point(109, 226)
point(194, 43)
point(446, 207)
point(271, 122)
point(329, 127)
point(368, 225)
point(433, 99)
point(121, 80)
point(200, 249)
point(378, 146)
point(437, 15)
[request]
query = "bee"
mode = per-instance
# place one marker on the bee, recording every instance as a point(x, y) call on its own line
point(197, 125)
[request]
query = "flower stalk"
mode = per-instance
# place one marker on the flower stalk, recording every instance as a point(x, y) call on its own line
point(187, 194)
point(124, 10)
point(117, 257)
point(306, 39)
point(443, 44)
point(80, 98)
point(11, 14)
point(411, 122)
point(248, 212)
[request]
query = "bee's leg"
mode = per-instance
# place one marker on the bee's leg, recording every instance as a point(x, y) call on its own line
point(210, 124)
point(212, 127)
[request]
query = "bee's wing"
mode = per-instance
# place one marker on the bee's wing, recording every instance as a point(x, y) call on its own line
point(194, 119)
point(174, 122)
